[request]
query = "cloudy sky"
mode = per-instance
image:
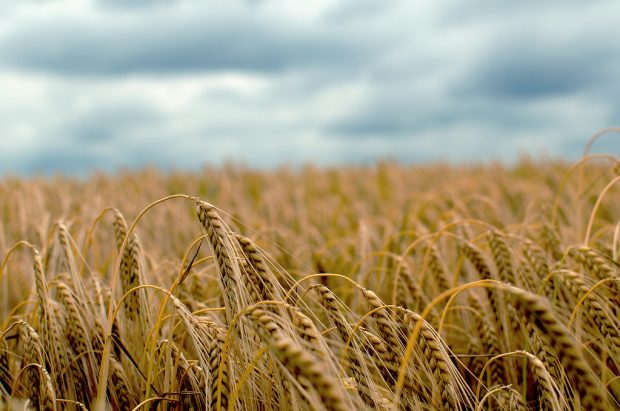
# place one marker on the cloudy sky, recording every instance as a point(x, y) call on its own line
point(124, 83)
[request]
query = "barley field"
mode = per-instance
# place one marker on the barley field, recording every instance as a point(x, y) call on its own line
point(435, 287)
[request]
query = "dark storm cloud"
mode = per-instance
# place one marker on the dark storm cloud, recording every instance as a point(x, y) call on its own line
point(533, 50)
point(172, 40)
point(530, 67)
point(523, 68)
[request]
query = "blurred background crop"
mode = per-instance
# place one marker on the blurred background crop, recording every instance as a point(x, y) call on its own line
point(109, 84)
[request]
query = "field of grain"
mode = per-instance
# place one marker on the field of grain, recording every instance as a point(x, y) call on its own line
point(387, 287)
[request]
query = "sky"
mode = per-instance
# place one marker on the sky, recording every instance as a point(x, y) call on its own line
point(109, 84)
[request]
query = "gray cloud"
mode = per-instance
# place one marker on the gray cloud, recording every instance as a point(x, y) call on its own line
point(136, 4)
point(530, 67)
point(509, 79)
point(181, 83)
point(531, 50)
point(63, 161)
point(108, 124)
point(174, 39)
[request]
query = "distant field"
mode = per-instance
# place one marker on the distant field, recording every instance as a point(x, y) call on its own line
point(386, 287)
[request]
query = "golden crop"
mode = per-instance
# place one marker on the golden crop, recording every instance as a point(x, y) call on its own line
point(383, 287)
